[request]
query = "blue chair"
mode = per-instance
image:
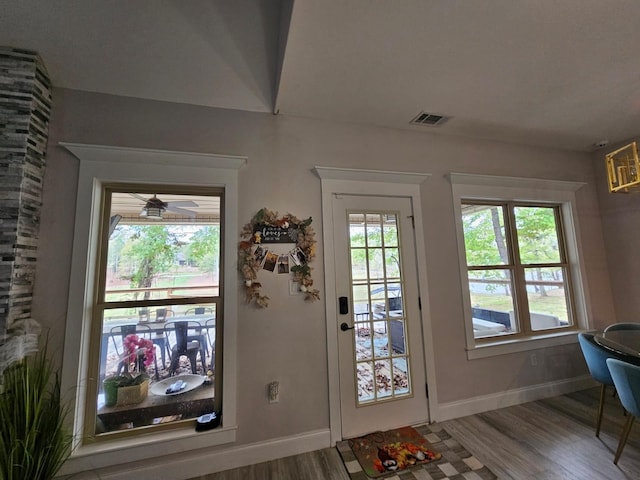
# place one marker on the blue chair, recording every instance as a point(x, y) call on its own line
point(626, 378)
point(596, 357)
point(623, 326)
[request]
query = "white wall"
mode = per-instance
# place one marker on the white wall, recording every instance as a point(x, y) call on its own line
point(286, 342)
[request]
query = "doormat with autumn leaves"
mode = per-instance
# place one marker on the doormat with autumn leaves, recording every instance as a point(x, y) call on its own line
point(425, 451)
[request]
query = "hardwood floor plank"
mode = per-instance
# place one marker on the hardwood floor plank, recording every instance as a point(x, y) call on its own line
point(548, 439)
point(552, 438)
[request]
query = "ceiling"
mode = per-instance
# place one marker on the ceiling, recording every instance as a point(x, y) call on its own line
point(540, 72)
point(179, 208)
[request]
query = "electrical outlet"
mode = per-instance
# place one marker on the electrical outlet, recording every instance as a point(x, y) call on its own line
point(534, 360)
point(273, 392)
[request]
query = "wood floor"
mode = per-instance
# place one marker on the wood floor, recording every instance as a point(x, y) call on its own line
point(547, 439)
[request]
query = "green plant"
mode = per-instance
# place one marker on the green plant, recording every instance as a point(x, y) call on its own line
point(34, 440)
point(127, 380)
point(112, 384)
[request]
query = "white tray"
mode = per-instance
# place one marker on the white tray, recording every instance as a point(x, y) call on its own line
point(192, 381)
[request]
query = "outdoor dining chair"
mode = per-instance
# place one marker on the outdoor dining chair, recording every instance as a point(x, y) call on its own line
point(181, 333)
point(143, 315)
point(210, 327)
point(118, 334)
point(199, 311)
point(626, 378)
point(162, 314)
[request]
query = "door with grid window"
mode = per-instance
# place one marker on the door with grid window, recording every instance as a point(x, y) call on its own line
point(381, 356)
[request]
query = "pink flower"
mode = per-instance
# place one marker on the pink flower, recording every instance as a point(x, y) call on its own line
point(134, 344)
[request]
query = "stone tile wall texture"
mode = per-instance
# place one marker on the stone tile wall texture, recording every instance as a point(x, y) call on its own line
point(25, 106)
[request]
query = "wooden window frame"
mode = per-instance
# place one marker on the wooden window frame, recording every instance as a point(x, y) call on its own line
point(518, 268)
point(100, 305)
point(98, 165)
point(490, 188)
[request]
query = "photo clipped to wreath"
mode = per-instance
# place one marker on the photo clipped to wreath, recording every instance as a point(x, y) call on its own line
point(265, 229)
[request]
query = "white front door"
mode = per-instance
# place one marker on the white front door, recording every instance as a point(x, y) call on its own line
point(380, 346)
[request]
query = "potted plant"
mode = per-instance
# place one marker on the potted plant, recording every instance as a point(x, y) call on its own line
point(125, 389)
point(34, 439)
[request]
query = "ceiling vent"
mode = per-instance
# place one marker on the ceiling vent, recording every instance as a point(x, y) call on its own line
point(429, 119)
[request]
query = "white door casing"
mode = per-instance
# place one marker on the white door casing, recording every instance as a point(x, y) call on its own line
point(380, 349)
point(380, 183)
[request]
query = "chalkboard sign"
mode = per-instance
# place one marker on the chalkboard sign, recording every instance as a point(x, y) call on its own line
point(274, 234)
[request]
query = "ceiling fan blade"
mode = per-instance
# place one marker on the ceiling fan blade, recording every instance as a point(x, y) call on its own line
point(139, 197)
point(182, 211)
point(182, 203)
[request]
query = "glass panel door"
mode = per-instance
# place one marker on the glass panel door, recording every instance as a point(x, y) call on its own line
point(380, 347)
point(381, 354)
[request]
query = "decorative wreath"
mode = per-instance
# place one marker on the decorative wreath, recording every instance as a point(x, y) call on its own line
point(249, 263)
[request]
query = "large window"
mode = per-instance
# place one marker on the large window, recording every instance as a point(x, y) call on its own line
point(105, 291)
point(520, 263)
point(519, 280)
point(158, 308)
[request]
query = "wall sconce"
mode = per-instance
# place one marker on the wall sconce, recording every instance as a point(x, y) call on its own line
point(623, 169)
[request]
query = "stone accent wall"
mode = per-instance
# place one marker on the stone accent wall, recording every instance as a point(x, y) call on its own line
point(25, 106)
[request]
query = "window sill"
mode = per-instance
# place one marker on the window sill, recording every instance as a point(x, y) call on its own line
point(503, 347)
point(142, 447)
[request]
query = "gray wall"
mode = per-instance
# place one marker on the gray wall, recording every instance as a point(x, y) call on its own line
point(621, 228)
point(287, 340)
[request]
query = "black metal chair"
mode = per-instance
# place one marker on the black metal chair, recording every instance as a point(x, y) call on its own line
point(118, 334)
point(201, 337)
point(143, 315)
point(210, 328)
point(198, 311)
point(162, 314)
point(184, 333)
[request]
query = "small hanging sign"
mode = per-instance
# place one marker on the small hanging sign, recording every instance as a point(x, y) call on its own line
point(264, 233)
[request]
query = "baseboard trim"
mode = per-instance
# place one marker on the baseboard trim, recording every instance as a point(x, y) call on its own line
point(508, 398)
point(199, 462)
point(202, 462)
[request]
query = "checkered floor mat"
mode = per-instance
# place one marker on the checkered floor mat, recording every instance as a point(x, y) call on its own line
point(456, 462)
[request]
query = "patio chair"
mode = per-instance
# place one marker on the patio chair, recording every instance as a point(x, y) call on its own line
point(198, 311)
point(210, 328)
point(163, 313)
point(143, 315)
point(184, 333)
point(118, 334)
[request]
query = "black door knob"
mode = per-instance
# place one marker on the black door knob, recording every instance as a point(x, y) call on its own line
point(344, 327)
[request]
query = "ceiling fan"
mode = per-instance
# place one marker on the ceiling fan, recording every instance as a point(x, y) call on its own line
point(153, 207)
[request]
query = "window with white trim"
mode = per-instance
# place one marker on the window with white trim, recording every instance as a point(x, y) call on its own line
point(519, 262)
point(158, 306)
point(108, 175)
point(519, 278)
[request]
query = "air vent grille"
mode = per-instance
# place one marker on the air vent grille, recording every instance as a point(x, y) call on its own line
point(429, 119)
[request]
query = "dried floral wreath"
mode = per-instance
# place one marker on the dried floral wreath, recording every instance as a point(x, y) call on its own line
point(249, 263)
